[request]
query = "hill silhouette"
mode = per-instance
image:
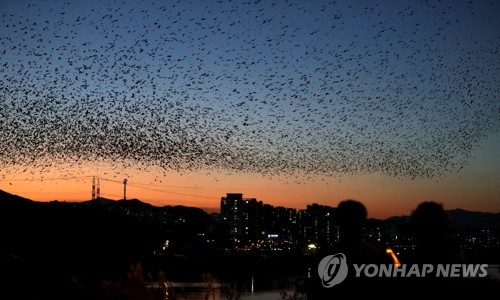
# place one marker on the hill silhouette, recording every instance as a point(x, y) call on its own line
point(7, 199)
point(98, 201)
point(463, 219)
point(57, 240)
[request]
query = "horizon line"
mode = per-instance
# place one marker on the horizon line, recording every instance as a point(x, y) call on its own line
point(210, 210)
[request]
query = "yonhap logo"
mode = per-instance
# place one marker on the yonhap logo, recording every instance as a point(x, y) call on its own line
point(332, 269)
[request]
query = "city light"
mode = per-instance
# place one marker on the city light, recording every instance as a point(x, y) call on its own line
point(394, 257)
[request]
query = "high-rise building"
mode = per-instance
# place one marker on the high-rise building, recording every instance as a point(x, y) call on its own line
point(242, 216)
point(268, 219)
point(251, 219)
point(284, 223)
point(230, 215)
point(318, 225)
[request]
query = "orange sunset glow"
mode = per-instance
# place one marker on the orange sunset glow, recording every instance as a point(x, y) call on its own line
point(474, 188)
point(390, 105)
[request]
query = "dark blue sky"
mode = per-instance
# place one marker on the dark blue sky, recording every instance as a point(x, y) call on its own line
point(401, 88)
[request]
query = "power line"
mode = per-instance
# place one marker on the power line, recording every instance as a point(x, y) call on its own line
point(168, 186)
point(144, 186)
point(137, 185)
point(175, 193)
point(111, 180)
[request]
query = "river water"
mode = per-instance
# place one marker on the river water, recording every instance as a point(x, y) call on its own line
point(250, 278)
point(250, 288)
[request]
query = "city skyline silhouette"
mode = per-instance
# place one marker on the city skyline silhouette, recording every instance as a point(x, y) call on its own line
point(98, 240)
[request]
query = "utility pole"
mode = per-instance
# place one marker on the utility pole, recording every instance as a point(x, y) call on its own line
point(98, 194)
point(93, 188)
point(125, 189)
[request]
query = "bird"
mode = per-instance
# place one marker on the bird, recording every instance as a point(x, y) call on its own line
point(337, 89)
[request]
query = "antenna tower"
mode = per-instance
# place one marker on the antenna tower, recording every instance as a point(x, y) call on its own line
point(93, 188)
point(98, 194)
point(125, 189)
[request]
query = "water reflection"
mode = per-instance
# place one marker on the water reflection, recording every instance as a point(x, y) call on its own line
point(252, 287)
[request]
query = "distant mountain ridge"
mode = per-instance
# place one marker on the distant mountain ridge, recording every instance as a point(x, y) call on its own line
point(98, 201)
point(103, 229)
point(11, 199)
point(94, 239)
point(464, 219)
point(460, 218)
point(133, 209)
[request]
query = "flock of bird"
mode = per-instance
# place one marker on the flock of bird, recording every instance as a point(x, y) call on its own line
point(406, 89)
